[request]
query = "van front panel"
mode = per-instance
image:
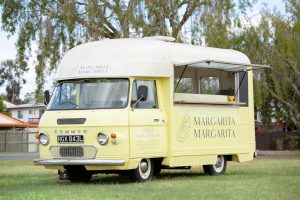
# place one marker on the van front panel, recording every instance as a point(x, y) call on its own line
point(80, 141)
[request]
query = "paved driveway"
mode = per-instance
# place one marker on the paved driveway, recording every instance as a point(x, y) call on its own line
point(18, 156)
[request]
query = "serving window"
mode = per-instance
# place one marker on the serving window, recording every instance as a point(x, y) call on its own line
point(204, 85)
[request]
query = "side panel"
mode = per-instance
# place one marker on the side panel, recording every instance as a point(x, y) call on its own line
point(251, 113)
point(147, 134)
point(148, 130)
point(200, 132)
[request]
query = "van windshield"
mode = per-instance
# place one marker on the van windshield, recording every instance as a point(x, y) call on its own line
point(90, 94)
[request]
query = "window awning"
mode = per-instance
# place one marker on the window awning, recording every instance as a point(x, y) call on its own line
point(222, 65)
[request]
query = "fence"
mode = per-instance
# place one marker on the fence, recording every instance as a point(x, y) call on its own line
point(277, 141)
point(18, 141)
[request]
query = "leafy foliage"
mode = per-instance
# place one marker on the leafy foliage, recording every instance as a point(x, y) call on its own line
point(57, 26)
point(11, 75)
point(276, 41)
point(2, 107)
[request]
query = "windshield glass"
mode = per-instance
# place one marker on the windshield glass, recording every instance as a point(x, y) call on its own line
point(90, 94)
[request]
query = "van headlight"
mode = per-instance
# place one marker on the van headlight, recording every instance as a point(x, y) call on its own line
point(44, 139)
point(102, 138)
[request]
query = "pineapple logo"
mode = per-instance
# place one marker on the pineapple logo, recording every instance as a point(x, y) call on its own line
point(184, 129)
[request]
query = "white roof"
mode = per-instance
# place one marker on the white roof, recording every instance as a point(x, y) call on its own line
point(8, 104)
point(24, 106)
point(137, 57)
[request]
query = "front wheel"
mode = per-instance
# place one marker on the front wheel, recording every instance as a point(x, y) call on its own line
point(78, 174)
point(143, 172)
point(217, 169)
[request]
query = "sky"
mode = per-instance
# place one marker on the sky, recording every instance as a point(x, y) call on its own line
point(8, 49)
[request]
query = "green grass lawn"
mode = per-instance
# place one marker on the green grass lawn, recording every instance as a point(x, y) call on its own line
point(276, 177)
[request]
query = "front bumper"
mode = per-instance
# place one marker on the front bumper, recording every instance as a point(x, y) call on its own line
point(79, 162)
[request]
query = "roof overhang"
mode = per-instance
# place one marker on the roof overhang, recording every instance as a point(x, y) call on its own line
point(222, 65)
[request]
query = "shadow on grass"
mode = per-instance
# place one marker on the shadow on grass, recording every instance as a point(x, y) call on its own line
point(51, 179)
point(123, 179)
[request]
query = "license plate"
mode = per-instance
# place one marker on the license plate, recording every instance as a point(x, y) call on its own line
point(70, 139)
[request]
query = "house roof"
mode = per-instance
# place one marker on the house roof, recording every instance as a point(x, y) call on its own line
point(8, 103)
point(24, 106)
point(10, 122)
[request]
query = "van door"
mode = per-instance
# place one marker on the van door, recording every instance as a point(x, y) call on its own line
point(147, 120)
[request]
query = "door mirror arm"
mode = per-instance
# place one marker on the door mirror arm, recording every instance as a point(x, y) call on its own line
point(133, 106)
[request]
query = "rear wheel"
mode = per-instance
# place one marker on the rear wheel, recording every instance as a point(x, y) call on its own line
point(217, 169)
point(143, 172)
point(78, 174)
point(205, 169)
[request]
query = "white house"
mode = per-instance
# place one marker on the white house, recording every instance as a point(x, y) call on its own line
point(30, 113)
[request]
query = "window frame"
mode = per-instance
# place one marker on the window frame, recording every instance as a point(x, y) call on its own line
point(198, 93)
point(156, 93)
point(20, 114)
point(76, 80)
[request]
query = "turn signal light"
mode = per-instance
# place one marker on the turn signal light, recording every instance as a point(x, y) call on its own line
point(113, 135)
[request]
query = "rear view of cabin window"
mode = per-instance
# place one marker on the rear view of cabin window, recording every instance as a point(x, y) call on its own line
point(209, 85)
point(185, 85)
point(150, 101)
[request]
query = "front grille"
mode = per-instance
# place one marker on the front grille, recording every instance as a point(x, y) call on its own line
point(73, 151)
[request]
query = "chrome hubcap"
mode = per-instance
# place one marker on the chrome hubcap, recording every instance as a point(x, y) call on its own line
point(218, 167)
point(145, 168)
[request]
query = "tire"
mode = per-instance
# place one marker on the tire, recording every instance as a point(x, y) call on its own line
point(217, 169)
point(143, 172)
point(62, 175)
point(157, 167)
point(78, 174)
point(205, 169)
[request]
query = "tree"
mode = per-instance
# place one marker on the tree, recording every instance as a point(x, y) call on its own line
point(11, 75)
point(57, 26)
point(3, 108)
point(276, 41)
point(30, 98)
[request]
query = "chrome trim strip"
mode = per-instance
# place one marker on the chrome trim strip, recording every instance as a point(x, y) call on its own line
point(79, 162)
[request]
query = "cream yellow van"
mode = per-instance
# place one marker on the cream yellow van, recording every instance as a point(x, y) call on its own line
point(137, 106)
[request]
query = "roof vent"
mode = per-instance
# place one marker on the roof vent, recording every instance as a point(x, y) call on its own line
point(161, 38)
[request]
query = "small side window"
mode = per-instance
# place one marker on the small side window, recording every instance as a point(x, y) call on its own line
point(151, 100)
point(20, 114)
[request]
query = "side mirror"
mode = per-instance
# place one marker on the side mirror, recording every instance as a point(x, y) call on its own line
point(46, 97)
point(142, 93)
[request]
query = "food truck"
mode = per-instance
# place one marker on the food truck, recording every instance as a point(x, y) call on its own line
point(136, 106)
